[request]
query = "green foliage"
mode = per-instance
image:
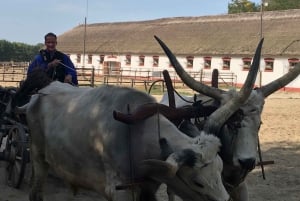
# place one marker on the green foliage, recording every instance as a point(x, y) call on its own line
point(14, 51)
point(239, 6)
point(282, 4)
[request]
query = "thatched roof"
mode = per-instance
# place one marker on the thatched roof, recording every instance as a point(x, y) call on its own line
point(233, 34)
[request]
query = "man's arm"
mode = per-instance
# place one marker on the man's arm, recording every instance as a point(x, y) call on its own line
point(71, 74)
point(36, 63)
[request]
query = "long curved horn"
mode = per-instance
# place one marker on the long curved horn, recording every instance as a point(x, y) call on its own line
point(186, 78)
point(281, 82)
point(222, 114)
point(251, 77)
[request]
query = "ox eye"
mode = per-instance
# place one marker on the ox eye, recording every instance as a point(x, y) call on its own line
point(197, 183)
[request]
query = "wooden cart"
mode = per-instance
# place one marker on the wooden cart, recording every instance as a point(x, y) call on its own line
point(14, 139)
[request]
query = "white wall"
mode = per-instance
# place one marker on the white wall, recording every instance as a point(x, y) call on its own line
point(281, 67)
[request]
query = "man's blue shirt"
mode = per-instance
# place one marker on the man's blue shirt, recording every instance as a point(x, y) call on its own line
point(40, 62)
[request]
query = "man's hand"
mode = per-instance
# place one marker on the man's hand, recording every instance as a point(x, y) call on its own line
point(68, 79)
point(54, 63)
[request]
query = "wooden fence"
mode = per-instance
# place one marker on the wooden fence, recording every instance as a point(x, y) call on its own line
point(11, 75)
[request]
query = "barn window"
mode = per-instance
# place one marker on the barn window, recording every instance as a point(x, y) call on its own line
point(128, 60)
point(155, 61)
point(269, 64)
point(226, 63)
point(189, 61)
point(246, 63)
point(293, 62)
point(207, 62)
point(78, 58)
point(90, 59)
point(101, 59)
point(141, 60)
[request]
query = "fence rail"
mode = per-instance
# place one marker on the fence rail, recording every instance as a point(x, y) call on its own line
point(13, 74)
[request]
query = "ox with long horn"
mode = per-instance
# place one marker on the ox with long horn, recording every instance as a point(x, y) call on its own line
point(236, 121)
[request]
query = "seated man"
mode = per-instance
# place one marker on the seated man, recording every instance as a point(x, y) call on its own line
point(57, 64)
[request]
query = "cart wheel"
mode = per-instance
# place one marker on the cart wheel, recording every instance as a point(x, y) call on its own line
point(17, 154)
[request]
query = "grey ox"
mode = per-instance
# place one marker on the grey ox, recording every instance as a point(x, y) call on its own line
point(239, 133)
point(74, 132)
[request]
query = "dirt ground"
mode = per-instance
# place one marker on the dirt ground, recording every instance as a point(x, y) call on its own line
point(280, 142)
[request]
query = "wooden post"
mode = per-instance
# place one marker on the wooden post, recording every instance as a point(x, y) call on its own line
point(93, 77)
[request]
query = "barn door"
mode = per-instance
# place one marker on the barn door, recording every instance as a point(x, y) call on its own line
point(112, 67)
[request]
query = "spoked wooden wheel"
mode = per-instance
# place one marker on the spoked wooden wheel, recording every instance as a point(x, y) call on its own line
point(16, 155)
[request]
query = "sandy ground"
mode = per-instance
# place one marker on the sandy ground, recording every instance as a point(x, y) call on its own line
point(280, 142)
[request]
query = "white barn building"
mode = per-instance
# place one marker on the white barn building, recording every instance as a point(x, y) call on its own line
point(201, 44)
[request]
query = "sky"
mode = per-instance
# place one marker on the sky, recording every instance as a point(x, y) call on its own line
point(27, 21)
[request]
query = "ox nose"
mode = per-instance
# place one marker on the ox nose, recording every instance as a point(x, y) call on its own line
point(248, 163)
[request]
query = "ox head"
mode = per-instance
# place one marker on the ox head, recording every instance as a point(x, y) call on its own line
point(193, 173)
point(191, 167)
point(237, 120)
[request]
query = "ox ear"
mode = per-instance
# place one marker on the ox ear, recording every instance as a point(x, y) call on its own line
point(179, 158)
point(185, 157)
point(188, 128)
point(165, 148)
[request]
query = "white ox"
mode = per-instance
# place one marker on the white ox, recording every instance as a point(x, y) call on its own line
point(238, 134)
point(73, 131)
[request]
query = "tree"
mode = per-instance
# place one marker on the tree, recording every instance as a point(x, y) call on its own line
point(14, 51)
point(240, 6)
point(282, 4)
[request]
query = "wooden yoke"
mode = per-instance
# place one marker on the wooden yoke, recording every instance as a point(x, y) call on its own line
point(170, 89)
point(173, 114)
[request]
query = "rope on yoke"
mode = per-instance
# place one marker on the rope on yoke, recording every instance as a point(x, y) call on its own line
point(181, 97)
point(261, 163)
point(130, 156)
point(260, 159)
point(131, 184)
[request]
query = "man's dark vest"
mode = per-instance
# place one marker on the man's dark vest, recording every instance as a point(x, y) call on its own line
point(57, 73)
